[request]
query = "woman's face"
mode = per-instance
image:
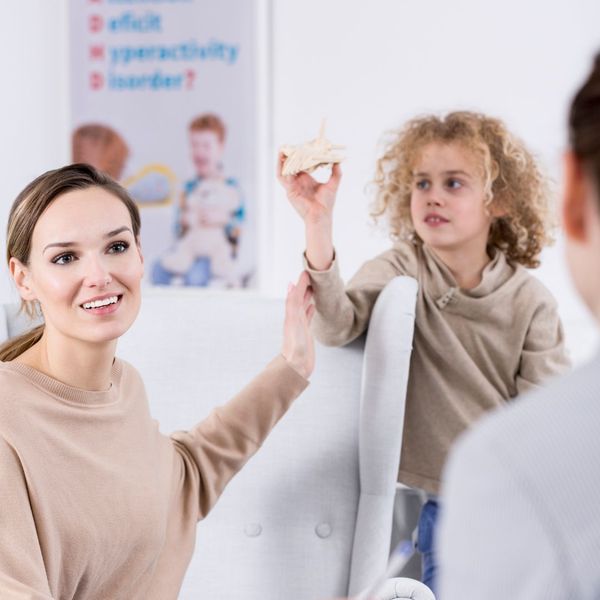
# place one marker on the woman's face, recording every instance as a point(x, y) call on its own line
point(85, 267)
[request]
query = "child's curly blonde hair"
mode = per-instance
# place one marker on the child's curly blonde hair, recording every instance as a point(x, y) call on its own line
point(512, 181)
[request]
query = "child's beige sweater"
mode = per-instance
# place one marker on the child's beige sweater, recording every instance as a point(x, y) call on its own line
point(473, 349)
point(97, 504)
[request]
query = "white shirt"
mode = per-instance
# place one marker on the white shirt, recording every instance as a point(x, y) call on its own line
point(521, 499)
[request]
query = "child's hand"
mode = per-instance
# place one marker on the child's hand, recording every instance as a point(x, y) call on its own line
point(298, 345)
point(312, 200)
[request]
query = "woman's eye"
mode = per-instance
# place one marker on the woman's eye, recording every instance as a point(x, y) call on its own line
point(422, 184)
point(454, 184)
point(118, 247)
point(64, 259)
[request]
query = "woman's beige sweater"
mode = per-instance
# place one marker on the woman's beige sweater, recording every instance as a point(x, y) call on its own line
point(97, 504)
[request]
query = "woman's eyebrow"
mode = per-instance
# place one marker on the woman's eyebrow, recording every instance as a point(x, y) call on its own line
point(59, 245)
point(117, 231)
point(69, 244)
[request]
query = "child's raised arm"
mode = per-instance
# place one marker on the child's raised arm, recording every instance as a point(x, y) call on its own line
point(313, 201)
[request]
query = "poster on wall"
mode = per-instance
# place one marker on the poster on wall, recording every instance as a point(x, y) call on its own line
point(163, 99)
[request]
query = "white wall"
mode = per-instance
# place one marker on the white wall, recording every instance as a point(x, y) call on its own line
point(34, 108)
point(366, 67)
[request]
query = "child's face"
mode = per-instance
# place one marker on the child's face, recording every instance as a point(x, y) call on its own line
point(206, 150)
point(447, 201)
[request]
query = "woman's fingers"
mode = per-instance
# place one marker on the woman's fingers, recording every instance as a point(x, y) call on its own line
point(302, 284)
point(300, 297)
point(308, 296)
point(310, 312)
point(298, 345)
point(304, 290)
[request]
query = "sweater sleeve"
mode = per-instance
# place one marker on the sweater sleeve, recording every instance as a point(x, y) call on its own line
point(22, 572)
point(342, 314)
point(493, 540)
point(544, 354)
point(219, 446)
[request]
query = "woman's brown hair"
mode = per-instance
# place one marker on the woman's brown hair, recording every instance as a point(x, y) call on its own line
point(23, 217)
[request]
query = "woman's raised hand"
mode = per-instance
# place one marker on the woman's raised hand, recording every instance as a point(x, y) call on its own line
point(298, 344)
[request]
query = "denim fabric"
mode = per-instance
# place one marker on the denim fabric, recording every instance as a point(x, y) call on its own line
point(198, 275)
point(425, 543)
point(160, 276)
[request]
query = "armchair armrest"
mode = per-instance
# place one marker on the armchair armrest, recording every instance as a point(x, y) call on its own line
point(405, 588)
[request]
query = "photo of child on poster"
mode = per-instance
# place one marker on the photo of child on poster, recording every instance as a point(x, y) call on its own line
point(209, 217)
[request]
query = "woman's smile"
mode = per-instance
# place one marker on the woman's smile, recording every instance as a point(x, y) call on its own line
point(102, 305)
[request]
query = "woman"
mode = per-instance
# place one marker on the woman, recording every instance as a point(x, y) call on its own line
point(95, 502)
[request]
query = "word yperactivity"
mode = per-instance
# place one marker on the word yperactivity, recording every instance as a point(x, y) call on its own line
point(185, 51)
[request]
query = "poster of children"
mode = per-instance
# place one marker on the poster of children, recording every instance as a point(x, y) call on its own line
point(163, 99)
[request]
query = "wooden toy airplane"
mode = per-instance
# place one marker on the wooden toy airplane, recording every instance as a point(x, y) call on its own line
point(311, 155)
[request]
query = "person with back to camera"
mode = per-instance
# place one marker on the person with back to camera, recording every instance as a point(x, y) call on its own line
point(96, 503)
point(521, 517)
point(467, 206)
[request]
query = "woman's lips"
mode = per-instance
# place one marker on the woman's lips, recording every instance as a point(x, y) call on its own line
point(103, 307)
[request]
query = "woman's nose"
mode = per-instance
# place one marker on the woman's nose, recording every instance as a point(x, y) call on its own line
point(97, 275)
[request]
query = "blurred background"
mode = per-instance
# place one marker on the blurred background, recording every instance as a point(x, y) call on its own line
point(365, 67)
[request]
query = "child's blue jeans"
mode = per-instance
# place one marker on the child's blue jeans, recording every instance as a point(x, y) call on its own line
point(425, 543)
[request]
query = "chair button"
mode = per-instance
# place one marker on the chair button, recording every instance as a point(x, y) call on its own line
point(323, 530)
point(253, 529)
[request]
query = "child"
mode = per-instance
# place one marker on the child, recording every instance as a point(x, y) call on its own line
point(211, 210)
point(467, 209)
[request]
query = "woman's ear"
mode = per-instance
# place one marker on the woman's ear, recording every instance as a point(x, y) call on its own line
point(575, 198)
point(20, 274)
